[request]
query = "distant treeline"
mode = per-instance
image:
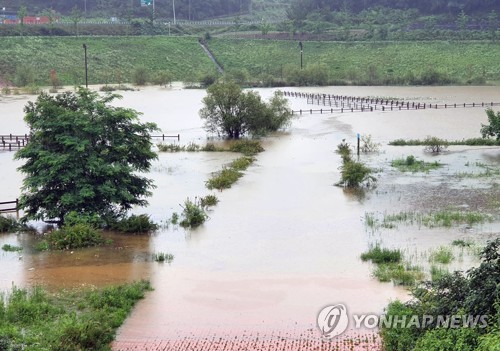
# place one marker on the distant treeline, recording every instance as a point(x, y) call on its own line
point(301, 9)
point(184, 9)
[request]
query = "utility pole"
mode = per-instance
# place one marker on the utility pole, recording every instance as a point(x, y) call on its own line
point(173, 5)
point(86, 67)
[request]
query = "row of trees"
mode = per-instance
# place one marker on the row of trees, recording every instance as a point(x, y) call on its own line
point(126, 9)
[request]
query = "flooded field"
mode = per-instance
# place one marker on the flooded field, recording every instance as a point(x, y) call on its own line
point(283, 242)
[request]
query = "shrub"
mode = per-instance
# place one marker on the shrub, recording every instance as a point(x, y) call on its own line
point(74, 237)
point(193, 214)
point(344, 150)
point(163, 257)
point(442, 255)
point(411, 164)
point(8, 224)
point(246, 147)
point(209, 201)
point(11, 248)
point(223, 179)
point(435, 145)
point(135, 224)
point(354, 174)
point(368, 145)
point(141, 76)
point(493, 128)
point(25, 75)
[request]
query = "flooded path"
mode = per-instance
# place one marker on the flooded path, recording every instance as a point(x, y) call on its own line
point(282, 243)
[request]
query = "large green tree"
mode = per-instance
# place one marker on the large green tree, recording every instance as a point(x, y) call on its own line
point(231, 112)
point(493, 128)
point(84, 156)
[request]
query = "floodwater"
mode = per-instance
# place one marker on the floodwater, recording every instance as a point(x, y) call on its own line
point(283, 242)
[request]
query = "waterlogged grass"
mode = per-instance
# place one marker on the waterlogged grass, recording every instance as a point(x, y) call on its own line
point(462, 243)
point(243, 146)
point(467, 142)
point(438, 273)
point(193, 214)
point(246, 147)
point(442, 255)
point(379, 255)
point(229, 175)
point(443, 218)
point(135, 224)
point(489, 172)
point(72, 237)
point(8, 224)
point(11, 248)
point(411, 164)
point(399, 274)
point(209, 201)
point(66, 321)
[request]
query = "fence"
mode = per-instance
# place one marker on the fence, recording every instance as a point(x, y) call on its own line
point(10, 209)
point(361, 104)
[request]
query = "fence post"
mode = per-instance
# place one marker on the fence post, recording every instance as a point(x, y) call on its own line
point(178, 137)
point(17, 208)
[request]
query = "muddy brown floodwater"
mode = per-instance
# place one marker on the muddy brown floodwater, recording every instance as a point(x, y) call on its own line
point(282, 243)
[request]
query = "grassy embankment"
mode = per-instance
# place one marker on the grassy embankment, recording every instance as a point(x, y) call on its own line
point(114, 59)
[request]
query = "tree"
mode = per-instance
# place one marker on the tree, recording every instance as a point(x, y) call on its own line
point(230, 111)
point(23, 12)
point(83, 156)
point(76, 16)
point(492, 129)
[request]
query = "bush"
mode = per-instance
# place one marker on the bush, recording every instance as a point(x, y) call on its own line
point(141, 76)
point(223, 179)
point(193, 214)
point(8, 224)
point(135, 224)
point(354, 174)
point(493, 128)
point(25, 75)
point(246, 147)
point(163, 257)
point(73, 237)
point(435, 145)
point(209, 201)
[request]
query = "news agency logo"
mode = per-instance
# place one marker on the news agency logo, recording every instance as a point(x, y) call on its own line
point(333, 320)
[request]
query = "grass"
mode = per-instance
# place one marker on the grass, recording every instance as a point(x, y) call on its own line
point(193, 214)
point(80, 319)
point(462, 243)
point(441, 255)
point(362, 62)
point(411, 164)
point(229, 175)
point(381, 256)
point(135, 224)
point(441, 218)
point(209, 201)
point(398, 273)
point(437, 273)
point(72, 237)
point(467, 142)
point(11, 248)
point(163, 257)
point(244, 146)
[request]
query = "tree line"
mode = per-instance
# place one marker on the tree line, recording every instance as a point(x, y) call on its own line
point(184, 9)
point(301, 9)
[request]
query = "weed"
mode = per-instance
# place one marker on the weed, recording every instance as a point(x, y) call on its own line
point(223, 179)
point(368, 145)
point(170, 147)
point(163, 257)
point(135, 224)
point(442, 255)
point(11, 248)
point(462, 243)
point(246, 147)
point(411, 164)
point(8, 224)
point(209, 201)
point(370, 220)
point(175, 218)
point(378, 255)
point(193, 214)
point(73, 237)
point(398, 273)
point(192, 147)
point(437, 273)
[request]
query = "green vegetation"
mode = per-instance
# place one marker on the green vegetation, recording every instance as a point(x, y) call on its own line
point(246, 147)
point(493, 128)
point(84, 155)
point(226, 177)
point(208, 201)
point(353, 174)
point(468, 142)
point(390, 268)
point(135, 224)
point(441, 218)
point(228, 111)
point(462, 243)
point(438, 273)
point(193, 214)
point(442, 255)
point(8, 224)
point(11, 248)
point(378, 255)
point(163, 257)
point(70, 237)
point(68, 320)
point(474, 294)
point(411, 164)
point(363, 63)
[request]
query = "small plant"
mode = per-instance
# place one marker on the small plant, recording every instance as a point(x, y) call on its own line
point(442, 255)
point(462, 243)
point(135, 224)
point(223, 179)
point(368, 145)
point(354, 174)
point(192, 147)
point(209, 201)
point(193, 214)
point(141, 76)
point(378, 255)
point(411, 164)
point(344, 150)
point(211, 147)
point(11, 248)
point(163, 257)
point(170, 147)
point(398, 273)
point(242, 163)
point(438, 273)
point(370, 220)
point(8, 224)
point(435, 145)
point(246, 147)
point(175, 218)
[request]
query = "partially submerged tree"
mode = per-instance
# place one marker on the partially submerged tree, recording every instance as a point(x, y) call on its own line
point(83, 156)
point(232, 112)
point(492, 129)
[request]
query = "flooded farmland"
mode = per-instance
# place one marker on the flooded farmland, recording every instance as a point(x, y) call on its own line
point(284, 241)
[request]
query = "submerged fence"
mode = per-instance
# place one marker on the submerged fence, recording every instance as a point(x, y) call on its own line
point(343, 103)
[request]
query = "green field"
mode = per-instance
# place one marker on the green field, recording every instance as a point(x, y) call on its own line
point(363, 62)
point(114, 59)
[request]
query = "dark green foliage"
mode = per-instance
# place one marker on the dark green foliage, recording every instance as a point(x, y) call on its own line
point(209, 201)
point(163, 257)
point(74, 237)
point(493, 128)
point(84, 156)
point(11, 248)
point(193, 214)
point(354, 174)
point(141, 76)
point(230, 112)
point(8, 224)
point(474, 294)
point(223, 179)
point(135, 224)
point(378, 255)
point(411, 164)
point(435, 145)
